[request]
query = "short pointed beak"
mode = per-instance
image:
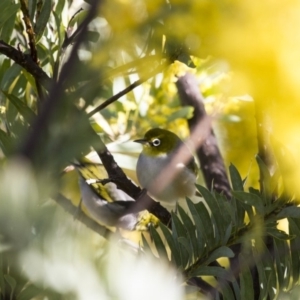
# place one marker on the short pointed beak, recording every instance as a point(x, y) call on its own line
point(141, 141)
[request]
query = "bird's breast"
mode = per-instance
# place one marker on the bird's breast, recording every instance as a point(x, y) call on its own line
point(175, 181)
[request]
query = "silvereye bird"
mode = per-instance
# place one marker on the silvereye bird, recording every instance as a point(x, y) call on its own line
point(107, 204)
point(160, 153)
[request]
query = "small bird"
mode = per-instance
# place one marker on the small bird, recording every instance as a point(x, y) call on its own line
point(107, 204)
point(160, 153)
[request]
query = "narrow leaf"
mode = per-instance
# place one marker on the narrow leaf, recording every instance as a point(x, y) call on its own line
point(217, 214)
point(201, 235)
point(282, 258)
point(211, 271)
point(175, 257)
point(205, 219)
point(22, 108)
point(6, 142)
point(29, 292)
point(43, 19)
point(250, 199)
point(227, 292)
point(246, 280)
point(159, 245)
point(8, 11)
point(294, 229)
point(11, 282)
point(227, 234)
point(179, 231)
point(31, 9)
point(218, 253)
point(266, 270)
point(289, 211)
point(146, 245)
point(191, 230)
point(278, 234)
point(236, 179)
point(187, 246)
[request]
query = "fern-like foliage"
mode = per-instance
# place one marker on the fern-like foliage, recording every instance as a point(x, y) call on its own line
point(216, 227)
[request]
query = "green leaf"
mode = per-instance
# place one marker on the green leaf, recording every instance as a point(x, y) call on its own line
point(216, 213)
point(250, 199)
point(201, 234)
point(59, 6)
point(42, 20)
point(22, 108)
point(289, 211)
point(227, 292)
point(266, 270)
point(282, 261)
point(30, 292)
point(237, 291)
point(227, 234)
point(294, 229)
point(236, 179)
point(159, 245)
point(179, 231)
point(265, 180)
point(8, 11)
point(225, 207)
point(191, 230)
point(246, 280)
point(211, 271)
point(146, 245)
point(2, 282)
point(173, 245)
point(11, 282)
point(207, 225)
point(7, 29)
point(185, 112)
point(278, 234)
point(187, 246)
point(10, 76)
point(31, 9)
point(218, 253)
point(92, 36)
point(6, 142)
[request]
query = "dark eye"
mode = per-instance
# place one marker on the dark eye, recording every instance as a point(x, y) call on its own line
point(156, 142)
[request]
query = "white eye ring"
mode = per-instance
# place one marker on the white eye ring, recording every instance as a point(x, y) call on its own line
point(156, 142)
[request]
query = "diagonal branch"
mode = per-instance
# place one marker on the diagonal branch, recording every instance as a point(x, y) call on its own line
point(212, 164)
point(126, 90)
point(143, 201)
point(26, 61)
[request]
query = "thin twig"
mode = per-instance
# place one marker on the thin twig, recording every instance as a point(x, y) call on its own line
point(126, 90)
point(26, 61)
point(30, 31)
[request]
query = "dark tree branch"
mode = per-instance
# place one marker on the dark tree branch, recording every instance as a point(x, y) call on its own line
point(204, 140)
point(33, 50)
point(208, 152)
point(30, 31)
point(26, 61)
point(51, 104)
point(143, 201)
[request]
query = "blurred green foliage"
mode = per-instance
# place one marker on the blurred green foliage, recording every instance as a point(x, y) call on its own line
point(245, 56)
